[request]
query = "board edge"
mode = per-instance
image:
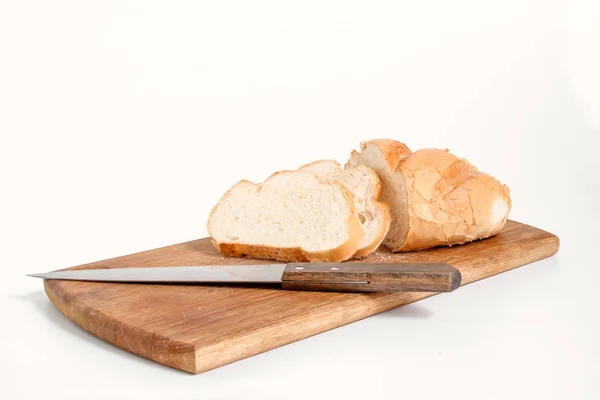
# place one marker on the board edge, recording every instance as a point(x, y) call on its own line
point(74, 312)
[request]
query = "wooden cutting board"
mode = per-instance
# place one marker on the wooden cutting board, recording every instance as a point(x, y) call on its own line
point(198, 328)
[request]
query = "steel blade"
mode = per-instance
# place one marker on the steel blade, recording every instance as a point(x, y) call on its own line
point(267, 273)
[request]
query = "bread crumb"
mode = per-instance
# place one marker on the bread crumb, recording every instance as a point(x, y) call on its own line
point(384, 256)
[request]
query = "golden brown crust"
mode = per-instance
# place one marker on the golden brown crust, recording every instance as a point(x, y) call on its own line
point(448, 201)
point(291, 254)
point(393, 151)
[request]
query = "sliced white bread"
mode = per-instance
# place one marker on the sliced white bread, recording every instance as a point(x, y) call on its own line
point(436, 198)
point(291, 217)
point(373, 215)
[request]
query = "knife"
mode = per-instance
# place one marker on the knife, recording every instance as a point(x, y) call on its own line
point(338, 277)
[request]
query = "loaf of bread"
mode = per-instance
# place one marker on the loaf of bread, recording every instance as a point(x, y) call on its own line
point(435, 198)
point(373, 215)
point(293, 216)
point(384, 194)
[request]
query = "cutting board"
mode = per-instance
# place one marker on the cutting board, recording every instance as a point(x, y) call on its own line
point(198, 328)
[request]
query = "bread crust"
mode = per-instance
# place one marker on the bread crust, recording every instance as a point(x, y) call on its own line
point(449, 201)
point(292, 254)
point(393, 151)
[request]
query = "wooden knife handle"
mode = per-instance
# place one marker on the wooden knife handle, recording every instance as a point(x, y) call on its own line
point(361, 277)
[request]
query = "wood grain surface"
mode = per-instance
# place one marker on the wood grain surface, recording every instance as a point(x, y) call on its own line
point(380, 277)
point(198, 328)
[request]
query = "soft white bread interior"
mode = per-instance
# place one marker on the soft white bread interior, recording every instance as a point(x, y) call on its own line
point(435, 198)
point(291, 217)
point(373, 215)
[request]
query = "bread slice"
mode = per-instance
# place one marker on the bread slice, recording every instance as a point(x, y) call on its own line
point(373, 215)
point(436, 198)
point(291, 217)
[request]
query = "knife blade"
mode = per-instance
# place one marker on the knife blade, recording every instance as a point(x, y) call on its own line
point(341, 277)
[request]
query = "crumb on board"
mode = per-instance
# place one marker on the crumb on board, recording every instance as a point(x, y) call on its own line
point(384, 256)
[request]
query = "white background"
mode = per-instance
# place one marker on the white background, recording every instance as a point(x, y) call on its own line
point(123, 122)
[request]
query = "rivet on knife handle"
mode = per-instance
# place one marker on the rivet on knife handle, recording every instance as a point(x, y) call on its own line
point(358, 277)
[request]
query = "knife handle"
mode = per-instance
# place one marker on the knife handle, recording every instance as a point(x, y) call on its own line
point(361, 277)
